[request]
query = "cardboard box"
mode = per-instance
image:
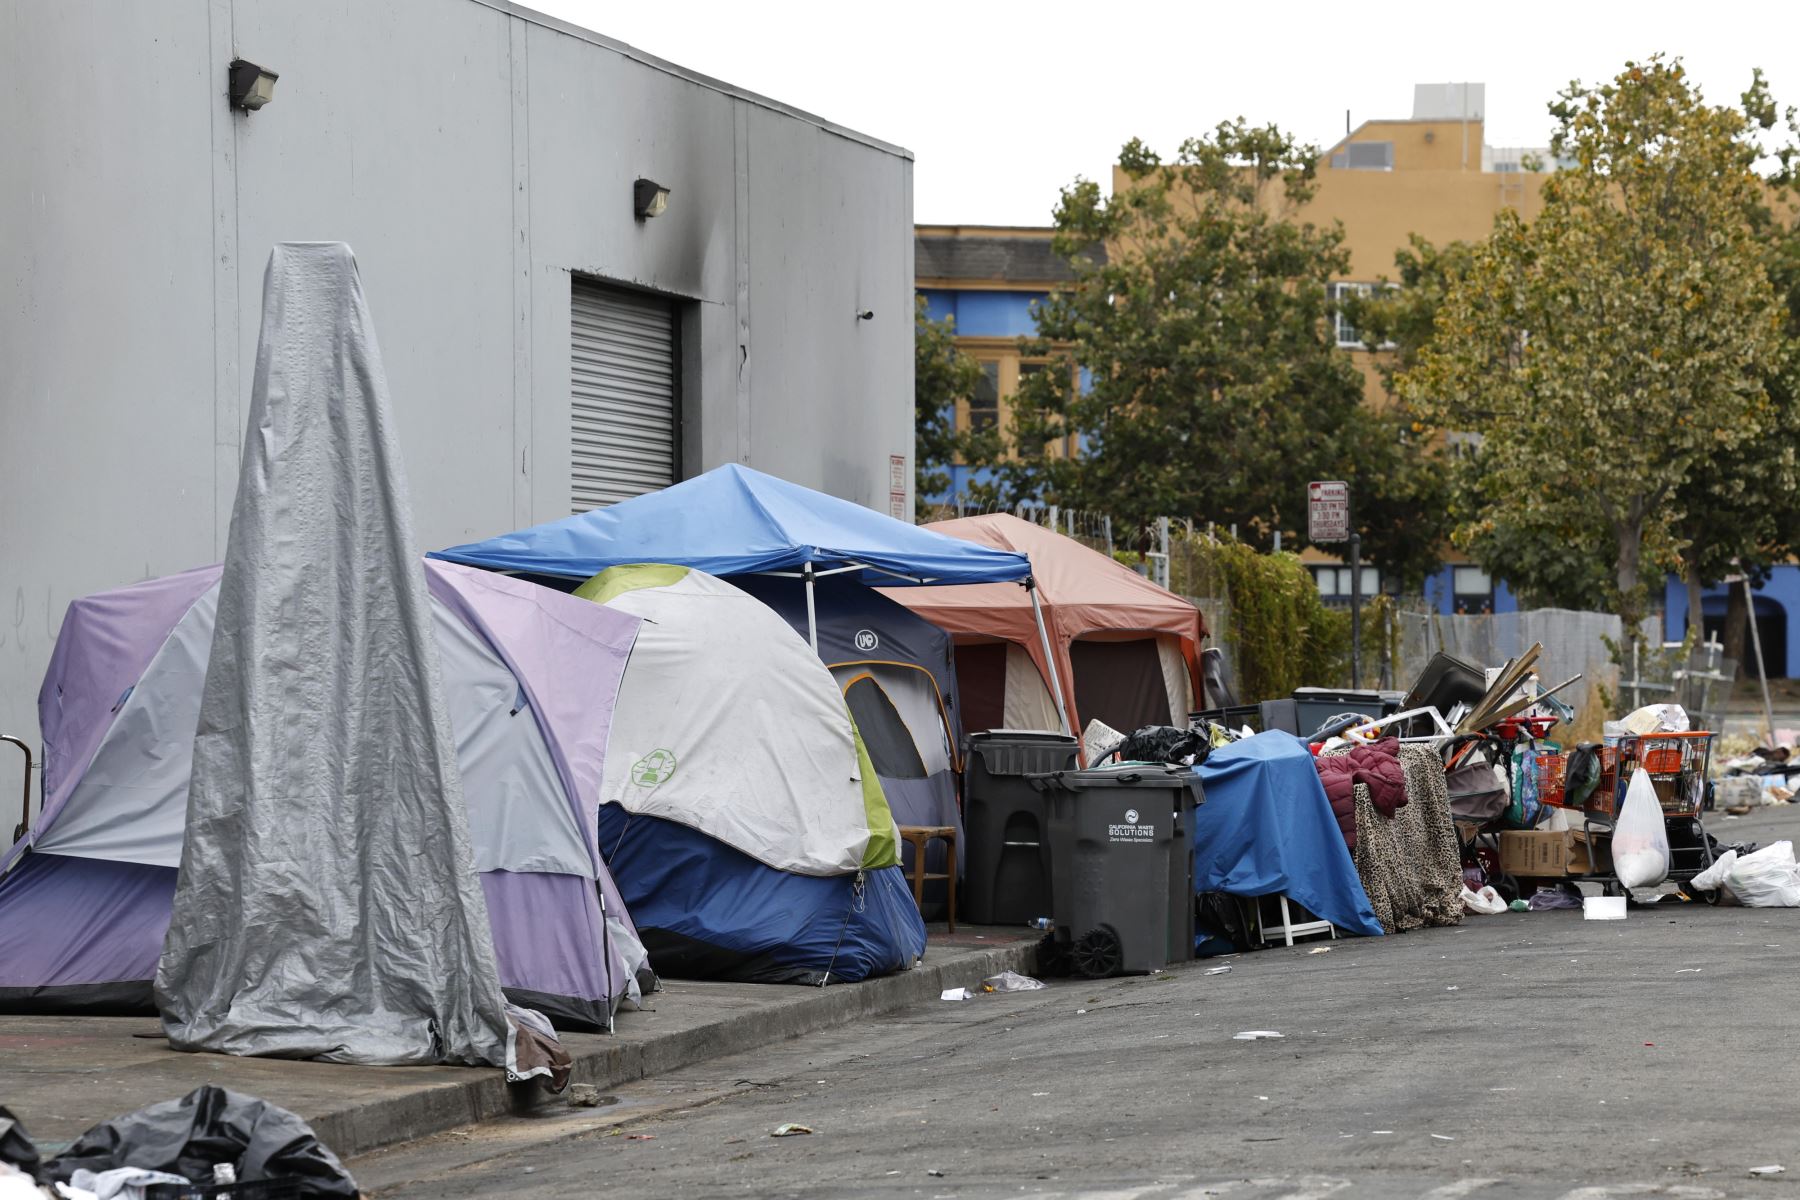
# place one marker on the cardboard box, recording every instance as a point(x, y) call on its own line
point(1534, 855)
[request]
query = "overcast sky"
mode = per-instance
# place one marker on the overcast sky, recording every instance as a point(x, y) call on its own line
point(1004, 103)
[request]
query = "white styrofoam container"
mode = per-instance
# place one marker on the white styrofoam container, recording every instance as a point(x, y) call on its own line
point(1603, 908)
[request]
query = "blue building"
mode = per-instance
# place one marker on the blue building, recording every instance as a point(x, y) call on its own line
point(989, 280)
point(1777, 607)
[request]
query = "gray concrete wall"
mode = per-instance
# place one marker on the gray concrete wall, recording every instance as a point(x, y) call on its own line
point(474, 154)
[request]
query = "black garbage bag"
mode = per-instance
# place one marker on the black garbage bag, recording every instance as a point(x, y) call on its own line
point(1217, 915)
point(1164, 744)
point(208, 1126)
point(16, 1147)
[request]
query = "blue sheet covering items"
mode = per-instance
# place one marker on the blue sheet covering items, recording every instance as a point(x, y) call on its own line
point(1266, 828)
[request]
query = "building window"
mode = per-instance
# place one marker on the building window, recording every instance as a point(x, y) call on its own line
point(984, 405)
point(1364, 156)
point(1473, 590)
point(1026, 371)
point(1462, 443)
point(1347, 335)
point(1334, 582)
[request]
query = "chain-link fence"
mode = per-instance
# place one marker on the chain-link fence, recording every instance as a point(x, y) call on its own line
point(1696, 676)
point(1093, 530)
point(1574, 643)
point(1400, 634)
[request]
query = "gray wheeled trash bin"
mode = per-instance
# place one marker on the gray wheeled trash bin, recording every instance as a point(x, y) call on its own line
point(1122, 881)
point(1006, 853)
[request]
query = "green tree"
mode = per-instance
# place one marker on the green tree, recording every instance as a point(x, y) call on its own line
point(1558, 557)
point(1214, 388)
point(1614, 350)
point(942, 375)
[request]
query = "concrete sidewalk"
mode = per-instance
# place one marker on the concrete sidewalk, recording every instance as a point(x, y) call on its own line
point(62, 1075)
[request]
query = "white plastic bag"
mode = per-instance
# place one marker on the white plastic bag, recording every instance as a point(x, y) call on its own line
point(1769, 878)
point(1713, 878)
point(1640, 842)
point(1486, 902)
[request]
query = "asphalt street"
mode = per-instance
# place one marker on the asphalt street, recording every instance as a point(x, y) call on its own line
point(1521, 1055)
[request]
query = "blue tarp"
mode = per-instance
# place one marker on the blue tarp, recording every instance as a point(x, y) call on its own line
point(1266, 828)
point(736, 521)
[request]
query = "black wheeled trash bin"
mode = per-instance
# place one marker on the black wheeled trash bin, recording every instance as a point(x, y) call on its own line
point(1006, 873)
point(1121, 846)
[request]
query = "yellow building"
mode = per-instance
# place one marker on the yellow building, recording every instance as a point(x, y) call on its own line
point(1434, 175)
point(1431, 174)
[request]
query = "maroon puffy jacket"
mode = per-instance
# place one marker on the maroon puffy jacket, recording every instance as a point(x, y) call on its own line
point(1378, 766)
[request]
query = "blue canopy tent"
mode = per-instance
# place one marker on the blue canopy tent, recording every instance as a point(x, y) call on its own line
point(1267, 829)
point(737, 521)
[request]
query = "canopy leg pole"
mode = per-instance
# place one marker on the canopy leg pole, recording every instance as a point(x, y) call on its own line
point(812, 620)
point(1037, 614)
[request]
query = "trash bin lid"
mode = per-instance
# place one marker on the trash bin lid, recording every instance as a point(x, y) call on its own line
point(1022, 735)
point(1127, 775)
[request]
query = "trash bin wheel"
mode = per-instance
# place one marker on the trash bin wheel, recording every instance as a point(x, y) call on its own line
point(1097, 953)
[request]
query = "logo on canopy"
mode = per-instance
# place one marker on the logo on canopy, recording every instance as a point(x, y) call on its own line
point(654, 768)
point(866, 640)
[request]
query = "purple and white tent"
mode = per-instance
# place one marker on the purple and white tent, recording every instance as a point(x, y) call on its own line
point(530, 680)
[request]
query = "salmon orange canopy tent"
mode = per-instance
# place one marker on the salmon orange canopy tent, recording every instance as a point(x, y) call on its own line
point(1102, 618)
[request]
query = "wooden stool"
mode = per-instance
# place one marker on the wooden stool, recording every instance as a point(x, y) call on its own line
point(919, 836)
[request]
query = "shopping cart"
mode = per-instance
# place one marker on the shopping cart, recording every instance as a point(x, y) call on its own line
point(1676, 764)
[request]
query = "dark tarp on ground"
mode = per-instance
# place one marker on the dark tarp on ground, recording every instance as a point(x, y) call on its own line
point(208, 1126)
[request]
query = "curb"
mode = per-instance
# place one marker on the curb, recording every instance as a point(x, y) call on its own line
point(361, 1128)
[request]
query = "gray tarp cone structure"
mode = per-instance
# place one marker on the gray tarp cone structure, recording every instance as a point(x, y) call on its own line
point(328, 904)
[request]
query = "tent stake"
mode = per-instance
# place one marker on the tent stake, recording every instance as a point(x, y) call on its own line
point(1037, 613)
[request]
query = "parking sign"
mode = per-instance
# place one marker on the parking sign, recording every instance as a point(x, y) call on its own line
point(1328, 511)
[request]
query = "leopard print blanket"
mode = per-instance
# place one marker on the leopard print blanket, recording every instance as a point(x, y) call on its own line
point(1411, 865)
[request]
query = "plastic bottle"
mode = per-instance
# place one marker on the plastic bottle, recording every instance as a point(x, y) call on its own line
point(1041, 923)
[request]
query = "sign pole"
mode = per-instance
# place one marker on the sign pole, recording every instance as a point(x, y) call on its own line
point(1355, 601)
point(1331, 517)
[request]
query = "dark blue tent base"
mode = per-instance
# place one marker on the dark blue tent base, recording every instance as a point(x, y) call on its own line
point(708, 911)
point(570, 1014)
point(130, 998)
point(679, 957)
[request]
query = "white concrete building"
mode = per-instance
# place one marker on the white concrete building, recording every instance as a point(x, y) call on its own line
point(547, 348)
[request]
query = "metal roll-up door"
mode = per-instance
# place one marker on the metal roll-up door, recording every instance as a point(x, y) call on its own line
point(623, 438)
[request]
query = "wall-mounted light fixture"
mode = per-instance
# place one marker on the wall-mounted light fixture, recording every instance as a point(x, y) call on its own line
point(648, 199)
point(251, 86)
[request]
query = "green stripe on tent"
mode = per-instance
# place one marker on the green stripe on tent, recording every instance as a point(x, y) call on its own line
point(884, 838)
point(616, 581)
